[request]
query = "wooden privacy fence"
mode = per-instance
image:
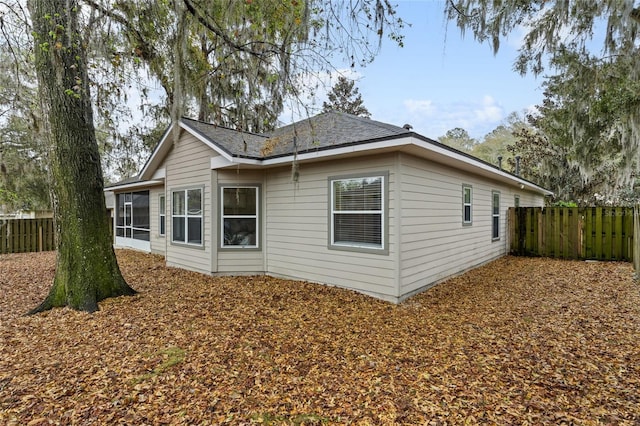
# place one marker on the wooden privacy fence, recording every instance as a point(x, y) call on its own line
point(602, 233)
point(26, 235)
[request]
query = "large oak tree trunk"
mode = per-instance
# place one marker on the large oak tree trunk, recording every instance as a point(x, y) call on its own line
point(86, 270)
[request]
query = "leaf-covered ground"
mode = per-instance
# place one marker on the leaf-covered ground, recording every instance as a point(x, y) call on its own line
point(518, 341)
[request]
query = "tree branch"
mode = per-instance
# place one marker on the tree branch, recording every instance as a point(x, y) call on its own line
point(206, 22)
point(143, 49)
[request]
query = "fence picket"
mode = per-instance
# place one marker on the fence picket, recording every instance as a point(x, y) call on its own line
point(577, 233)
point(26, 235)
point(619, 241)
point(588, 233)
point(636, 239)
point(3, 236)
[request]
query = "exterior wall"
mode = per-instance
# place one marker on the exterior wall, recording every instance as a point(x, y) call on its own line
point(297, 229)
point(187, 166)
point(239, 260)
point(434, 242)
point(427, 241)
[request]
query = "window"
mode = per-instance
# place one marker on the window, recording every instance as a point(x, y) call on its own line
point(495, 216)
point(466, 204)
point(186, 216)
point(161, 209)
point(516, 200)
point(357, 212)
point(133, 215)
point(239, 218)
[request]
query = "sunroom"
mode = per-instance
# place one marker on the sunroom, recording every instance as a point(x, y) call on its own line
point(133, 225)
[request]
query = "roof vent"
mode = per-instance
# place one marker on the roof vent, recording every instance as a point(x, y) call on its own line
point(407, 126)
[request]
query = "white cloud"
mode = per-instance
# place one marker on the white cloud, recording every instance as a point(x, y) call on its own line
point(420, 107)
point(489, 111)
point(433, 119)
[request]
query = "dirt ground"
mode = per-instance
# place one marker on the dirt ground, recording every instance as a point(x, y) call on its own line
point(517, 341)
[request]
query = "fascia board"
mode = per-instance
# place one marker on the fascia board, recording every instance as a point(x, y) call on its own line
point(477, 165)
point(159, 151)
point(445, 155)
point(134, 185)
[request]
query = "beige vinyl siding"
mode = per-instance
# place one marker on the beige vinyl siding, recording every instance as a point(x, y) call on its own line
point(157, 240)
point(434, 242)
point(527, 199)
point(188, 166)
point(297, 232)
point(242, 261)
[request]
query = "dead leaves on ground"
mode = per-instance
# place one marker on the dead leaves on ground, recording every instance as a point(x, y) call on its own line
point(518, 341)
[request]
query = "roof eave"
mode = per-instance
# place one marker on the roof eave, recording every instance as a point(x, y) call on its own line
point(134, 185)
point(437, 152)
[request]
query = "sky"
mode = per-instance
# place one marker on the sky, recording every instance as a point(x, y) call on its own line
point(440, 80)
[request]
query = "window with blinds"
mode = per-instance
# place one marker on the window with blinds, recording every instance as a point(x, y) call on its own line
point(357, 206)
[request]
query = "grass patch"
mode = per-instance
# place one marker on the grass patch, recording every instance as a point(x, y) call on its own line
point(172, 356)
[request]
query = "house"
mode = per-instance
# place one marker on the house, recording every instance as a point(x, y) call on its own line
point(25, 214)
point(333, 199)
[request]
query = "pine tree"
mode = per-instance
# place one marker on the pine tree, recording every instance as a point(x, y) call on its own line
point(345, 97)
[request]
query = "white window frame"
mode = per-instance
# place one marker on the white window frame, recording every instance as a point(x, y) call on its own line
point(255, 216)
point(356, 246)
point(187, 215)
point(162, 215)
point(465, 205)
point(495, 225)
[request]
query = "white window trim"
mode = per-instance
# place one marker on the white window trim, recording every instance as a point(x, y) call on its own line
point(186, 217)
point(495, 215)
point(465, 204)
point(376, 248)
point(162, 204)
point(255, 216)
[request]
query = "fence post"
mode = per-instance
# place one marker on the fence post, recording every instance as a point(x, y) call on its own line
point(522, 231)
point(636, 239)
point(4, 226)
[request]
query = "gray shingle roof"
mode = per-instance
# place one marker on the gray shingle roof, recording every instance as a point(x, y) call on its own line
point(328, 130)
point(234, 142)
point(323, 131)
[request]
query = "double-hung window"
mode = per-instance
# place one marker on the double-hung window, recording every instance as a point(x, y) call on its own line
point(357, 218)
point(162, 216)
point(495, 215)
point(467, 199)
point(239, 216)
point(186, 216)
